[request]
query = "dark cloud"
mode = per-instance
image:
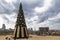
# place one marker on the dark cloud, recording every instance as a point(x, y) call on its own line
point(29, 10)
point(5, 8)
point(51, 12)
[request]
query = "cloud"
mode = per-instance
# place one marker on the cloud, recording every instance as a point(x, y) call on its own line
point(2, 21)
point(38, 13)
point(7, 8)
point(8, 20)
point(47, 4)
point(10, 1)
point(30, 2)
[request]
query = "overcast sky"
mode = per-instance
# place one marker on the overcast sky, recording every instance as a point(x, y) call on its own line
point(38, 13)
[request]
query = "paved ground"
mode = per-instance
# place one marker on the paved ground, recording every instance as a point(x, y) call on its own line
point(35, 37)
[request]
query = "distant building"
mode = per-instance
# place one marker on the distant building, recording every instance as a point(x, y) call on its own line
point(54, 32)
point(30, 30)
point(3, 27)
point(3, 30)
point(43, 30)
point(10, 29)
